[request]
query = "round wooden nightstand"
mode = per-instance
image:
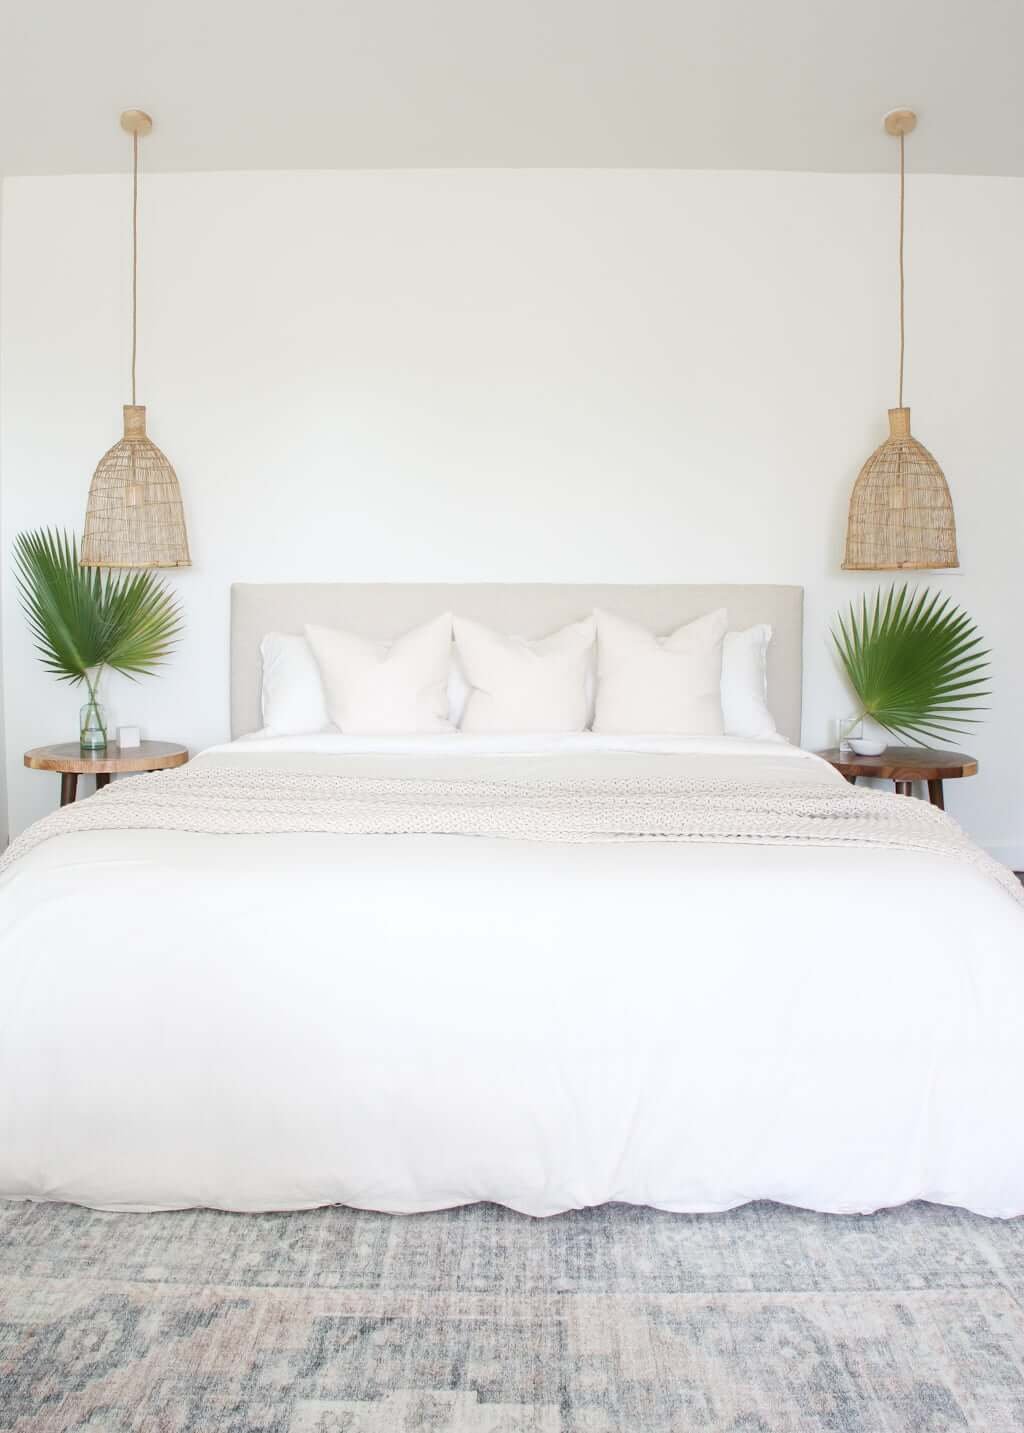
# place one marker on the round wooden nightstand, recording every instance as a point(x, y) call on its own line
point(904, 765)
point(71, 761)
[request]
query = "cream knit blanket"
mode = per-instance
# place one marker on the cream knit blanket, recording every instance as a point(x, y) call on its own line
point(255, 800)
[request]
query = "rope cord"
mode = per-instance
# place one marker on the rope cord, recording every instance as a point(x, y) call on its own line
point(902, 337)
point(135, 253)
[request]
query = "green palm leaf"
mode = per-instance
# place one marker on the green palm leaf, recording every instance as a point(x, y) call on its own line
point(82, 620)
point(915, 661)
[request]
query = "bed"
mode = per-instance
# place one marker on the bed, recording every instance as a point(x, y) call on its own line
point(549, 972)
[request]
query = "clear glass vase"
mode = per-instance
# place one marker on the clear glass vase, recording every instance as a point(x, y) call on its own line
point(846, 729)
point(92, 723)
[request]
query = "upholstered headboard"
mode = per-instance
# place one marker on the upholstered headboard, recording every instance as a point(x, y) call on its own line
point(385, 610)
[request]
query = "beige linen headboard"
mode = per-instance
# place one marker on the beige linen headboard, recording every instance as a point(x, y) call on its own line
point(384, 610)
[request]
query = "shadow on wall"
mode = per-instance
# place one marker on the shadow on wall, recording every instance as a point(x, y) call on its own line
point(5, 827)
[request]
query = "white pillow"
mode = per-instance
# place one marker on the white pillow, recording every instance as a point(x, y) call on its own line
point(292, 695)
point(745, 684)
point(517, 685)
point(660, 684)
point(372, 687)
point(459, 689)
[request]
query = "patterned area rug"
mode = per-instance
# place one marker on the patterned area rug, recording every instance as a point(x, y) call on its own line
point(765, 1320)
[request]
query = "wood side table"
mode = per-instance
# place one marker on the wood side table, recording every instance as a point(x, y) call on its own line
point(71, 761)
point(903, 765)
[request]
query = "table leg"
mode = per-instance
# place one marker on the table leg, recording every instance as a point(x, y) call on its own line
point(935, 795)
point(904, 788)
point(68, 787)
point(852, 780)
point(102, 779)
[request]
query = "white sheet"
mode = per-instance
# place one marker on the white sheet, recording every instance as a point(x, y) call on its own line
point(409, 1023)
point(334, 743)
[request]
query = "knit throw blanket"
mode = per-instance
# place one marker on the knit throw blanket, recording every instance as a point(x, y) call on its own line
point(247, 801)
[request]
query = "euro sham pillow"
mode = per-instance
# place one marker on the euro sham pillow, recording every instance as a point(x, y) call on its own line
point(745, 684)
point(292, 694)
point(377, 687)
point(524, 686)
point(665, 685)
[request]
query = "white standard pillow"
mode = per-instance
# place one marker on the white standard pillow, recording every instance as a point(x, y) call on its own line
point(292, 694)
point(745, 684)
point(660, 684)
point(518, 686)
point(373, 687)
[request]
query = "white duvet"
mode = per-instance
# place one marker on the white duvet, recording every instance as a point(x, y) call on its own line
point(413, 1022)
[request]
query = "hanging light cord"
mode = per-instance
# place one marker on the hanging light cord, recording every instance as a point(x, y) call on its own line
point(135, 252)
point(902, 324)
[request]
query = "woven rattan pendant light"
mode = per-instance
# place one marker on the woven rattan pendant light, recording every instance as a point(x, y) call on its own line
point(901, 513)
point(134, 517)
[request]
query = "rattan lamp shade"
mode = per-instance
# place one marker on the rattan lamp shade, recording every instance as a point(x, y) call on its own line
point(134, 516)
point(901, 513)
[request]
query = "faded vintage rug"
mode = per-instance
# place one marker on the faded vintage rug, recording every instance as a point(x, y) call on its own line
point(764, 1320)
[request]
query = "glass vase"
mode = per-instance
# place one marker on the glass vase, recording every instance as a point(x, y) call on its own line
point(92, 725)
point(845, 729)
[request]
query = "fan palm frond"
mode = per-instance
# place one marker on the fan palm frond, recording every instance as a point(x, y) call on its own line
point(81, 620)
point(915, 661)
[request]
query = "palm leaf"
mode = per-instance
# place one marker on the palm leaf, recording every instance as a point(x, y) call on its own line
point(82, 620)
point(915, 661)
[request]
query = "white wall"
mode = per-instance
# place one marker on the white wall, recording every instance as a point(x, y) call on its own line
point(3, 549)
point(515, 375)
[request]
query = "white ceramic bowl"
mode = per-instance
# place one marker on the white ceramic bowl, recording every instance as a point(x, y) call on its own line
point(864, 746)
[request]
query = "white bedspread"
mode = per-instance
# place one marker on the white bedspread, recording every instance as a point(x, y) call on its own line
point(410, 1022)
